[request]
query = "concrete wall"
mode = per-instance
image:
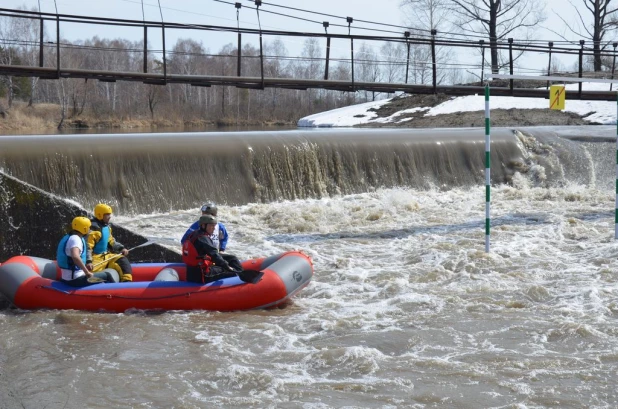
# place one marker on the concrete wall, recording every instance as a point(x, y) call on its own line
point(32, 222)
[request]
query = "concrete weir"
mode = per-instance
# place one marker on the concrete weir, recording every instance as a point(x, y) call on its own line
point(156, 172)
point(32, 222)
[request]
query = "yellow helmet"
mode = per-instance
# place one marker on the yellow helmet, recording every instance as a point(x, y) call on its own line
point(101, 209)
point(81, 224)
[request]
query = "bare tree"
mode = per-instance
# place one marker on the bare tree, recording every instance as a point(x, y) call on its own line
point(422, 16)
point(498, 19)
point(368, 67)
point(9, 52)
point(604, 19)
point(153, 96)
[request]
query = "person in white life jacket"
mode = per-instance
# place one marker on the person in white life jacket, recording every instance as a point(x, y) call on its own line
point(71, 256)
point(204, 262)
point(219, 235)
point(103, 250)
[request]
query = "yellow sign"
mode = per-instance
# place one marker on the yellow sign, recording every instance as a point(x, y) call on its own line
point(557, 95)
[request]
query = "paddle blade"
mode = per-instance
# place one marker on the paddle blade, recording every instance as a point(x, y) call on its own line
point(250, 276)
point(95, 280)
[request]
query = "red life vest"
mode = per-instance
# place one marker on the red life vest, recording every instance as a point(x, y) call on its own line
point(191, 257)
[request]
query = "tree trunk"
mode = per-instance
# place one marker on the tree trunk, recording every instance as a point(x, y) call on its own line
point(493, 36)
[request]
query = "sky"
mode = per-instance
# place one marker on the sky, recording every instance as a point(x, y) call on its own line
point(215, 12)
point(603, 112)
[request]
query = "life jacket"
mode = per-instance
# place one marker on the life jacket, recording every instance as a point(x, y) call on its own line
point(64, 261)
point(191, 257)
point(101, 246)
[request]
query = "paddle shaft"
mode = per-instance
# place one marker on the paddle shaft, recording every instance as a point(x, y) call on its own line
point(120, 255)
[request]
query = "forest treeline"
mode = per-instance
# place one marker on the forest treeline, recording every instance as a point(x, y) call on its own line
point(184, 103)
point(88, 102)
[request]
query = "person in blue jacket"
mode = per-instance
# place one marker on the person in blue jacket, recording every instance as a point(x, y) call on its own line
point(219, 237)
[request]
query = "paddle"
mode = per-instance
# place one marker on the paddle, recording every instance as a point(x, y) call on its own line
point(95, 280)
point(115, 256)
point(250, 276)
point(148, 243)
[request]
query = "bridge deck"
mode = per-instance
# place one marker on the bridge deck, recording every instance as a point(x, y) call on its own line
point(289, 83)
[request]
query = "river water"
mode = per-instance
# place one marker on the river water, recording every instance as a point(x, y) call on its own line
point(406, 309)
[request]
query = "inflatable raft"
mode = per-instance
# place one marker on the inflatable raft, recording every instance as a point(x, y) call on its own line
point(33, 282)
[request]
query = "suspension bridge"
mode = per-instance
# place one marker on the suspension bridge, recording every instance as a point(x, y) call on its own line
point(52, 62)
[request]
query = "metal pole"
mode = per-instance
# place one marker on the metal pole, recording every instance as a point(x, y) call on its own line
point(511, 64)
point(350, 20)
point(57, 46)
point(581, 65)
point(488, 169)
point(41, 44)
point(164, 59)
point(239, 54)
point(258, 3)
point(238, 7)
point(145, 49)
point(616, 206)
point(433, 60)
point(551, 44)
point(407, 35)
point(327, 57)
point(483, 59)
point(325, 24)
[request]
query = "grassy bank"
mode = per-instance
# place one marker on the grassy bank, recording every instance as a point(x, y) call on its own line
point(41, 118)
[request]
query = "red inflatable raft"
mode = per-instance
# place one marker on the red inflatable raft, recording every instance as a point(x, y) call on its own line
point(33, 282)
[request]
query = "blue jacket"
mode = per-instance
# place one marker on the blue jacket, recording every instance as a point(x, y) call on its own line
point(222, 230)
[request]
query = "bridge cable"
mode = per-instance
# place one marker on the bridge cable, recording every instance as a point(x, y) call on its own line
point(163, 35)
point(238, 6)
point(145, 68)
point(258, 3)
point(326, 24)
point(350, 20)
point(57, 41)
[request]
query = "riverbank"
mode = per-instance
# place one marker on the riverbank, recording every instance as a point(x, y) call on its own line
point(404, 111)
point(441, 111)
point(44, 118)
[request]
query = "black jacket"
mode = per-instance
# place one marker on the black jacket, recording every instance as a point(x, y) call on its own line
point(205, 247)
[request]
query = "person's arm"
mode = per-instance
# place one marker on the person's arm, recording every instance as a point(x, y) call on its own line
point(190, 230)
point(203, 247)
point(93, 238)
point(77, 259)
point(223, 237)
point(115, 246)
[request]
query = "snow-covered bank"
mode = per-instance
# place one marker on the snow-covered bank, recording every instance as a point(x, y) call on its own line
point(599, 112)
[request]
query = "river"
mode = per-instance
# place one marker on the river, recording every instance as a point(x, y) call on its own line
point(406, 309)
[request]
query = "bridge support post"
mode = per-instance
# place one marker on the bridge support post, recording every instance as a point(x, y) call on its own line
point(327, 57)
point(57, 46)
point(581, 65)
point(433, 60)
point(164, 58)
point(481, 42)
point(407, 36)
point(239, 54)
point(145, 49)
point(551, 44)
point(41, 31)
point(487, 168)
point(511, 63)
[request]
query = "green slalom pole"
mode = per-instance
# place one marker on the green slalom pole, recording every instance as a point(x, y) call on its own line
point(487, 169)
